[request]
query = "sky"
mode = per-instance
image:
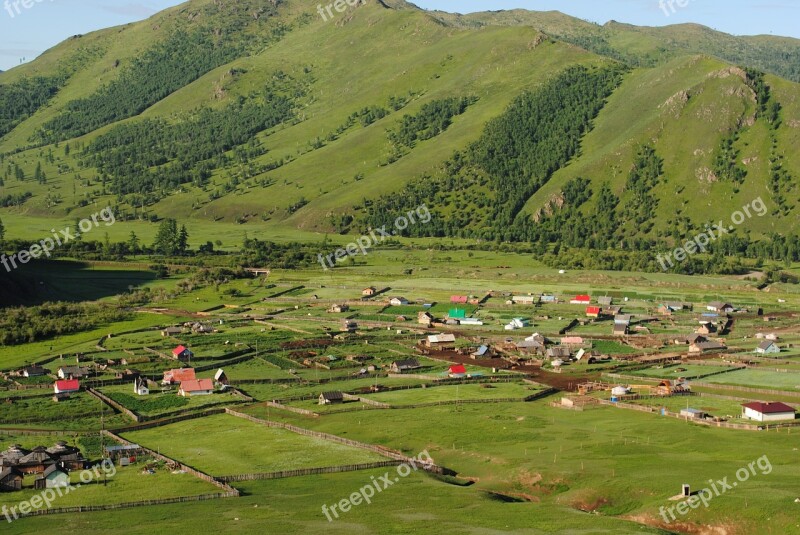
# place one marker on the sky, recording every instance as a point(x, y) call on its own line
point(27, 32)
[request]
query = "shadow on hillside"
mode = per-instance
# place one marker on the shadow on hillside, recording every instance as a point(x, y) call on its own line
point(60, 280)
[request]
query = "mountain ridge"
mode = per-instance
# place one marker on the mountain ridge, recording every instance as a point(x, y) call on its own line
point(368, 120)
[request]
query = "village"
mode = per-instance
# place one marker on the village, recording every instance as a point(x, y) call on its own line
point(292, 356)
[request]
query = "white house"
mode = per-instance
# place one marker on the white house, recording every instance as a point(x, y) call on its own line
point(517, 323)
point(524, 299)
point(769, 411)
point(198, 387)
point(140, 387)
point(768, 347)
point(720, 307)
point(398, 301)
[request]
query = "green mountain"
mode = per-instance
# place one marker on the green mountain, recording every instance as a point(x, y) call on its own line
point(269, 116)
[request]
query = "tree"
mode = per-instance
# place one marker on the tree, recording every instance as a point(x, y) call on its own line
point(182, 244)
point(38, 175)
point(133, 243)
point(2, 231)
point(167, 237)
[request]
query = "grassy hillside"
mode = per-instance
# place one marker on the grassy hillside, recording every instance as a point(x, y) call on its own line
point(191, 143)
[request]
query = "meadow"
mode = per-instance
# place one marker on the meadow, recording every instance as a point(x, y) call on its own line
point(226, 445)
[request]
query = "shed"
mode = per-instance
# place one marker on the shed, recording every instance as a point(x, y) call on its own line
point(10, 480)
point(769, 411)
point(327, 398)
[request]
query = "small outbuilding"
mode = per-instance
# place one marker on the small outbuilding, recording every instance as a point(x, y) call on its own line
point(769, 411)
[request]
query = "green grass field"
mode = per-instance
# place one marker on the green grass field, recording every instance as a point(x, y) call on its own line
point(770, 380)
point(226, 445)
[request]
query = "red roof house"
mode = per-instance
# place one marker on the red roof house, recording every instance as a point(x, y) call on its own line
point(581, 300)
point(593, 312)
point(66, 386)
point(459, 299)
point(458, 370)
point(767, 411)
point(176, 376)
point(201, 387)
point(182, 353)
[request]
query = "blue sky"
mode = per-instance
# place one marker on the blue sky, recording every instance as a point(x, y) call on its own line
point(45, 23)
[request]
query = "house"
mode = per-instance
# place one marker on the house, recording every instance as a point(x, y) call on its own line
point(620, 329)
point(441, 342)
point(589, 357)
point(68, 457)
point(581, 300)
point(328, 398)
point(481, 352)
point(349, 326)
point(34, 371)
point(12, 455)
point(424, 318)
point(140, 387)
point(182, 354)
point(369, 292)
point(720, 307)
point(220, 378)
point(457, 371)
point(767, 347)
point(531, 347)
point(398, 301)
point(547, 298)
point(196, 387)
point(572, 341)
point(523, 300)
point(470, 321)
point(67, 386)
point(623, 319)
point(72, 372)
point(35, 461)
point(171, 331)
point(10, 480)
point(772, 337)
point(558, 353)
point(767, 411)
point(406, 365)
point(706, 328)
point(689, 340)
point(128, 374)
point(53, 477)
point(593, 312)
point(704, 347)
point(517, 323)
point(605, 301)
point(176, 376)
point(338, 309)
point(459, 299)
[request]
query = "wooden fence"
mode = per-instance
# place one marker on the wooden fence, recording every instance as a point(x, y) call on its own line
point(309, 471)
point(169, 420)
point(128, 505)
point(380, 450)
point(113, 404)
point(228, 490)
